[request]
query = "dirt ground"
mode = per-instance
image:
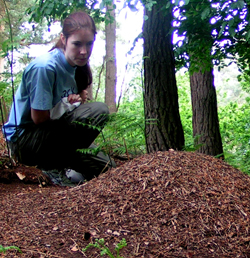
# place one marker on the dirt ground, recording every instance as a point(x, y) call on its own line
point(166, 204)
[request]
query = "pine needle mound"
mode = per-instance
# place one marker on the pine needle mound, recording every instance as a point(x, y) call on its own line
point(166, 204)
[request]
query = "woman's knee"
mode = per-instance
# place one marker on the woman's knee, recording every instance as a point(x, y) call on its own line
point(100, 107)
point(100, 112)
point(92, 110)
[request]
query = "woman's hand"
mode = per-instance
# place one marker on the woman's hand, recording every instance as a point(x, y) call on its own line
point(84, 95)
point(73, 98)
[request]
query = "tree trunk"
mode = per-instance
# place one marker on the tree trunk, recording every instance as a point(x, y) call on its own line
point(205, 116)
point(90, 92)
point(1, 67)
point(1, 31)
point(163, 125)
point(110, 81)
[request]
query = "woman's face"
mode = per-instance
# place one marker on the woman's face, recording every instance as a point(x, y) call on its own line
point(78, 47)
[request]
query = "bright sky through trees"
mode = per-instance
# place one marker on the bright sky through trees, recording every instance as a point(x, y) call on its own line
point(129, 26)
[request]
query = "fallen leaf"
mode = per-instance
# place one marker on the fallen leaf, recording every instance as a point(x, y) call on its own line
point(20, 175)
point(74, 248)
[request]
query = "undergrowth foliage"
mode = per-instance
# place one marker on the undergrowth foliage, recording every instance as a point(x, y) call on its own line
point(125, 132)
point(235, 131)
point(123, 135)
point(234, 126)
point(100, 244)
point(4, 249)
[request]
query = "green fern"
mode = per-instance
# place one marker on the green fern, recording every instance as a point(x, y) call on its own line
point(100, 244)
point(4, 249)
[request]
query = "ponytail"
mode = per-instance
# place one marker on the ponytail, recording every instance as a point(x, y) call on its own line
point(83, 77)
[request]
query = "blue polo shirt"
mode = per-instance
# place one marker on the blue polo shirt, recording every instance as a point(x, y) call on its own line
point(45, 81)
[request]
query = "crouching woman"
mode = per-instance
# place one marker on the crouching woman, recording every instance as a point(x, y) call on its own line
point(50, 119)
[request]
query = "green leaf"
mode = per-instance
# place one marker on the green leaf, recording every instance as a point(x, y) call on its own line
point(4, 249)
point(168, 5)
point(150, 4)
point(224, 24)
point(103, 252)
point(240, 4)
point(231, 22)
point(102, 5)
point(205, 13)
point(248, 35)
point(133, 8)
point(101, 241)
point(232, 31)
point(177, 2)
point(120, 245)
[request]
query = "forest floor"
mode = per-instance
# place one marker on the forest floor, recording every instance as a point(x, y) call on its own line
point(165, 204)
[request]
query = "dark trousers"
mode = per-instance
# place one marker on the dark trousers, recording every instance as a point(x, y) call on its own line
point(55, 143)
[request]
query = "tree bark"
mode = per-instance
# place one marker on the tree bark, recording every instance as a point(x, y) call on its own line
point(163, 127)
point(1, 67)
point(2, 13)
point(206, 129)
point(111, 70)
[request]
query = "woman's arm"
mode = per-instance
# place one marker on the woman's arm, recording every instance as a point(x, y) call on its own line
point(39, 116)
